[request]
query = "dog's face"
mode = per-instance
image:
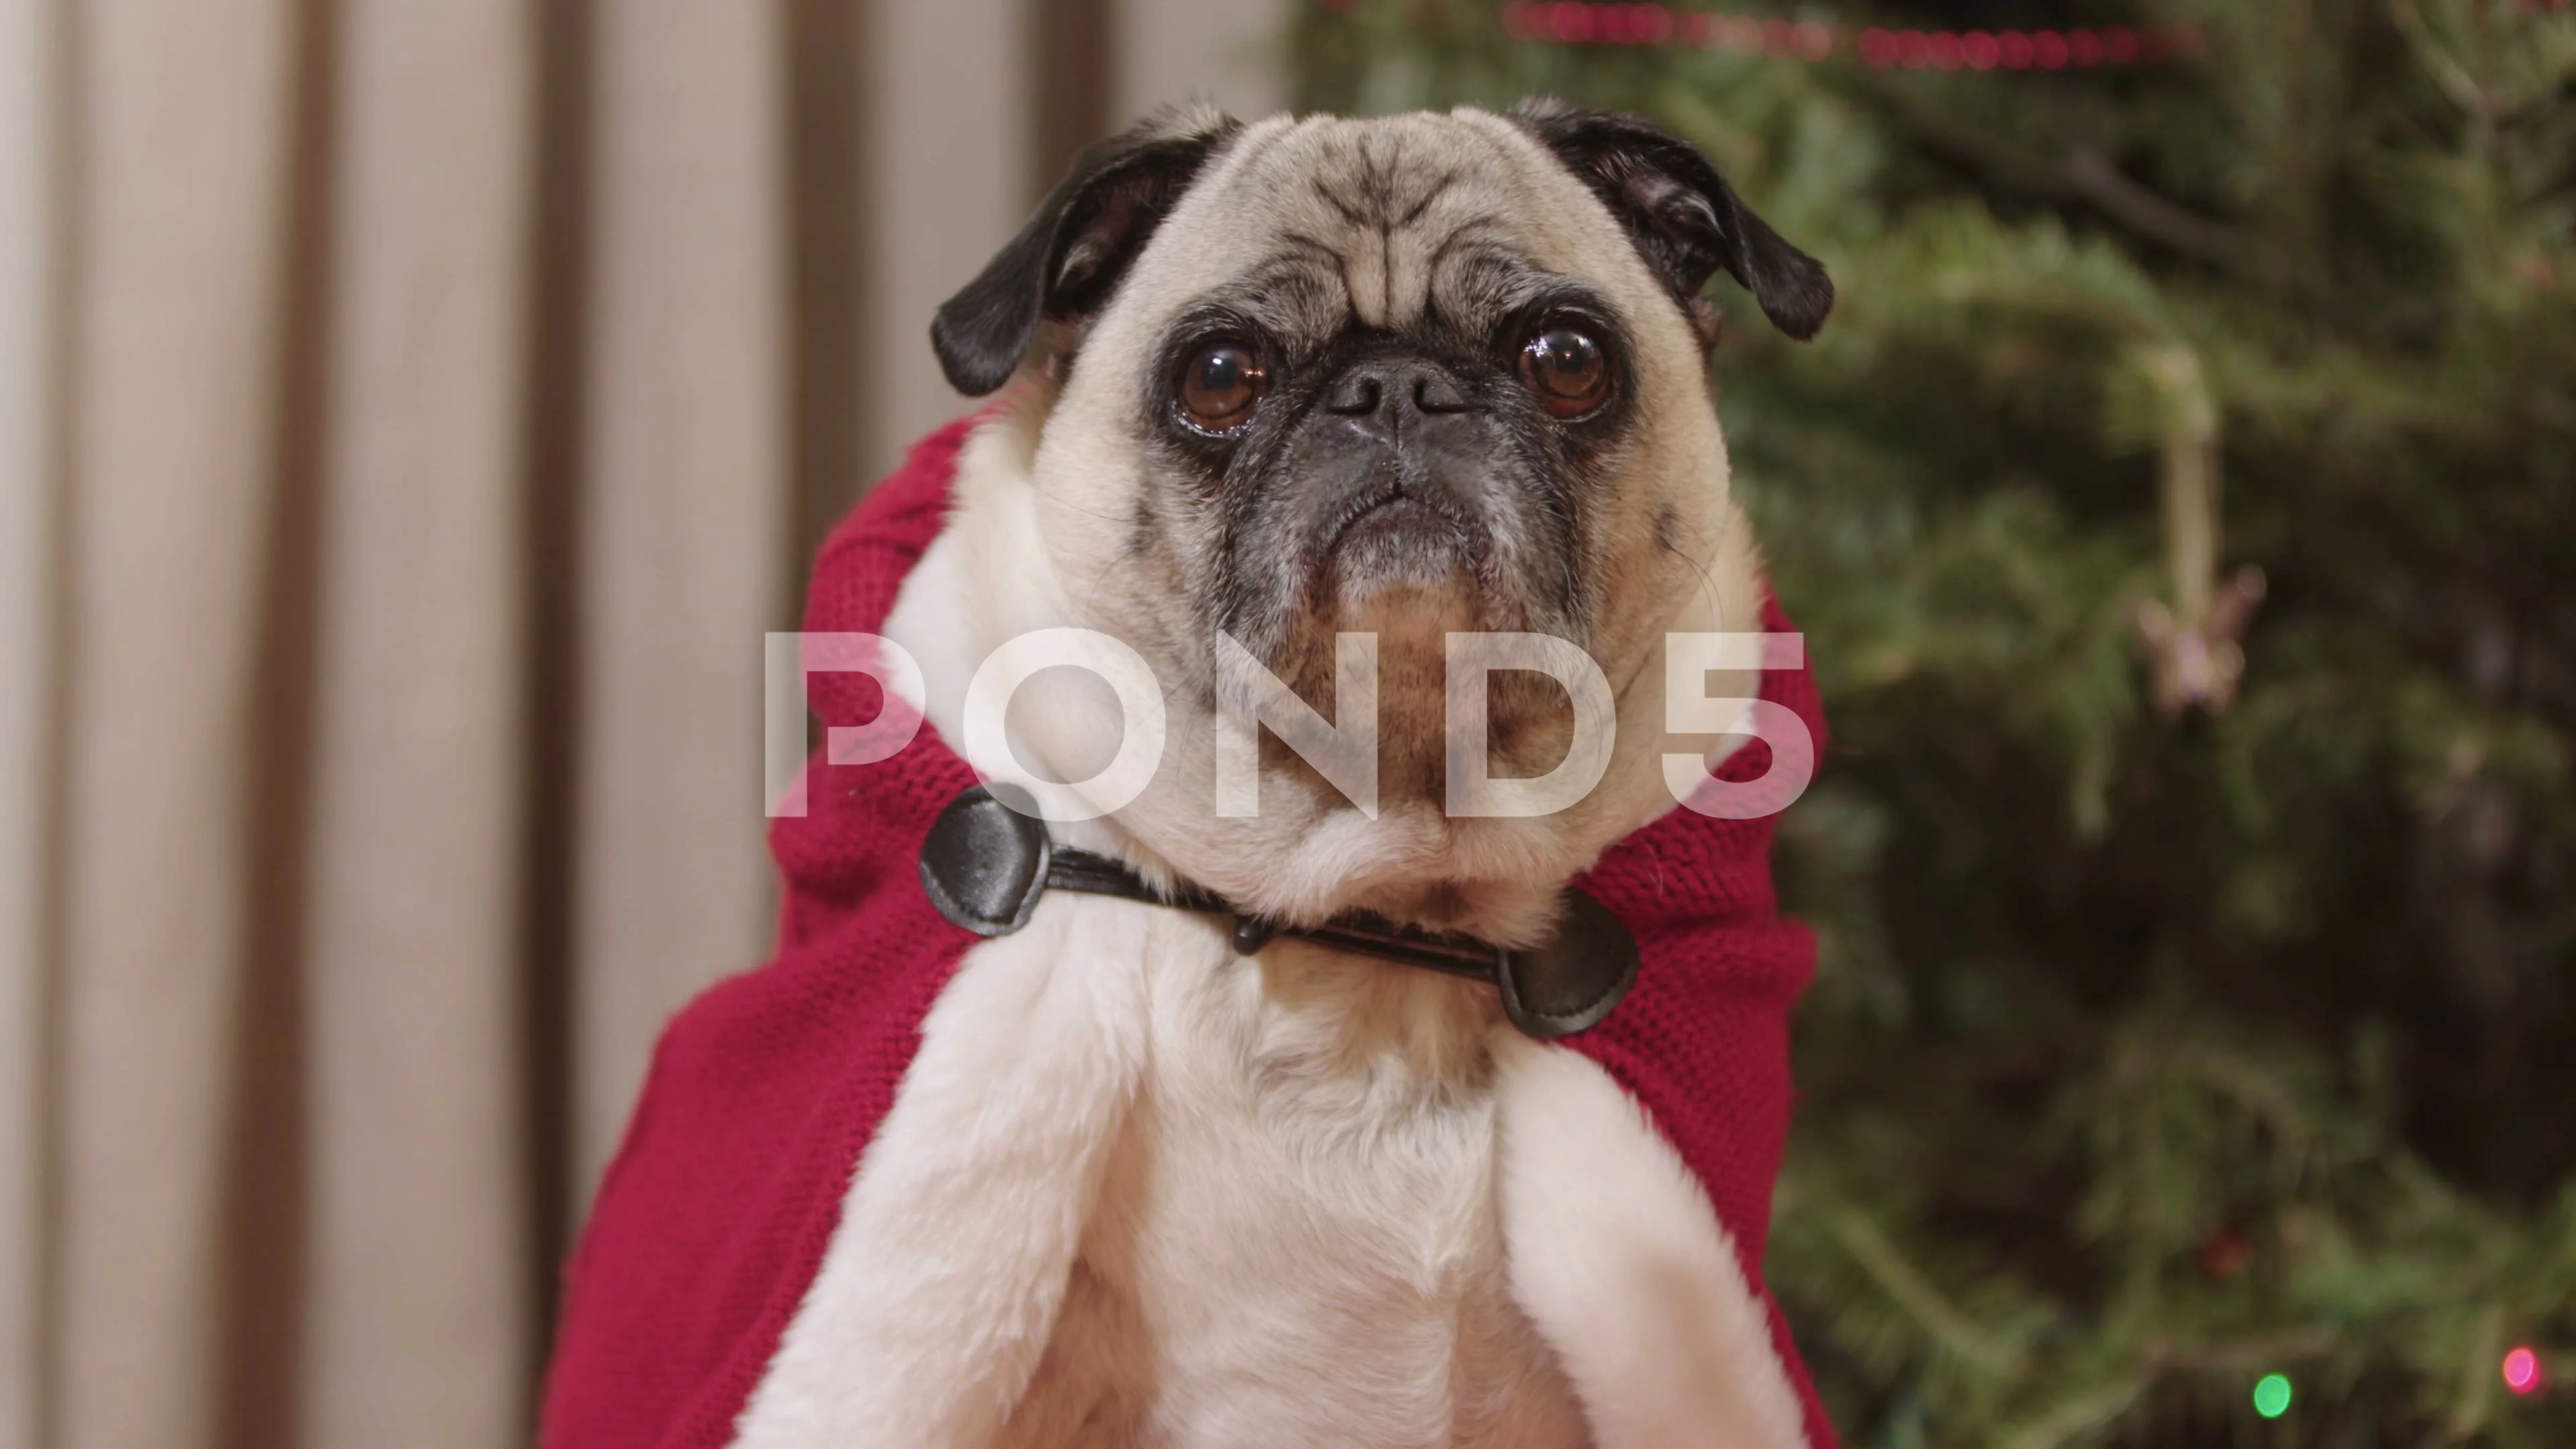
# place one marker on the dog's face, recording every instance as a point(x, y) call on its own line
point(1411, 376)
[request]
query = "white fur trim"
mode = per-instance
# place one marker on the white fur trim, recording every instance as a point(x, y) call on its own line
point(942, 1283)
point(1618, 1258)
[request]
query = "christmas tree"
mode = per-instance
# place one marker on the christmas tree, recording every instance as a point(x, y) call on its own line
point(2181, 509)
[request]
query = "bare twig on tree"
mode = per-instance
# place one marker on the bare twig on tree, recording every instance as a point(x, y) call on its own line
point(2083, 173)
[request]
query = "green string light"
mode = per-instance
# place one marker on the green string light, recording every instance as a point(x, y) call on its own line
point(2272, 1396)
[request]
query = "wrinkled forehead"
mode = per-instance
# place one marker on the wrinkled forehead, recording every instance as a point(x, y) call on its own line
point(1322, 222)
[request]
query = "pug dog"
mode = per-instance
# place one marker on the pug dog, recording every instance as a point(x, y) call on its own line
point(1268, 389)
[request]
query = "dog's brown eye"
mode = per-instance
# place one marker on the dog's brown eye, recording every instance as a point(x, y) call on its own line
point(1219, 385)
point(1568, 371)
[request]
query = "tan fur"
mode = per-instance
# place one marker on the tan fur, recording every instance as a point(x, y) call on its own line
point(1088, 469)
point(1141, 1193)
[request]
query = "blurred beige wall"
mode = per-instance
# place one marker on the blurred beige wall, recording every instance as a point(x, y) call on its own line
point(947, 93)
point(25, 138)
point(1169, 50)
point(411, 850)
point(684, 513)
point(180, 240)
point(950, 95)
point(411, 417)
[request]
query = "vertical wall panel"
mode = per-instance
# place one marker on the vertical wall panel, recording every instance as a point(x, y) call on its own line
point(827, 204)
point(1069, 100)
point(26, 221)
point(684, 526)
point(414, 1322)
point(182, 110)
point(948, 87)
point(1230, 51)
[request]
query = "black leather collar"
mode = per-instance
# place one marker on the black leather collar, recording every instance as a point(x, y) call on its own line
point(985, 865)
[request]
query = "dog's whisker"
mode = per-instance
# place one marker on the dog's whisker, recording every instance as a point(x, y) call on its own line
point(1054, 500)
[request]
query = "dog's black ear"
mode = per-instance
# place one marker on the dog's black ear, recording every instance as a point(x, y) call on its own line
point(1683, 216)
point(1068, 256)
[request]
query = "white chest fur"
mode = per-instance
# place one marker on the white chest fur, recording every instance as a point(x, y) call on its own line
point(1131, 1194)
point(1135, 1193)
point(1298, 1238)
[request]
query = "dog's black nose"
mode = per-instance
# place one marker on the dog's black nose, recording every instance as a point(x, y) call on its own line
point(1387, 395)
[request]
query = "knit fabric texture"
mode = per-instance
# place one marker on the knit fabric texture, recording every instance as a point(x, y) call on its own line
point(713, 1218)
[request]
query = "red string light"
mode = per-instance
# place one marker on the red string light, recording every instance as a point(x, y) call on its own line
point(2522, 1371)
point(1582, 22)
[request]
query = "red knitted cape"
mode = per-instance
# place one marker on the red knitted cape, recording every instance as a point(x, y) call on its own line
point(714, 1216)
